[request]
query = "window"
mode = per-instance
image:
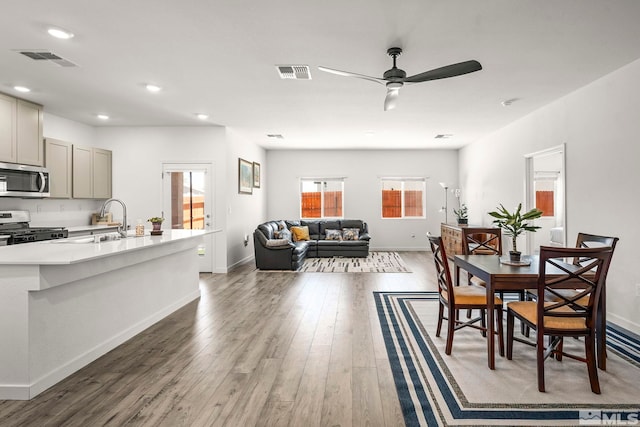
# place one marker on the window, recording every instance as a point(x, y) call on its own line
point(321, 198)
point(403, 197)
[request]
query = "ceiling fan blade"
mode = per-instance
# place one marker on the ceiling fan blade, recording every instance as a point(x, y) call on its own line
point(348, 74)
point(452, 70)
point(391, 99)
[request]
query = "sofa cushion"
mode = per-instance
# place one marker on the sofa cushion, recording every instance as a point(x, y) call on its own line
point(333, 234)
point(314, 227)
point(328, 225)
point(300, 233)
point(353, 223)
point(277, 242)
point(350, 233)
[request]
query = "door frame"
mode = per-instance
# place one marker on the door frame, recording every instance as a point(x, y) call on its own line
point(529, 190)
point(208, 262)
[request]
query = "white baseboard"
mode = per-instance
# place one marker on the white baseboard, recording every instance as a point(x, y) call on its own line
point(623, 323)
point(396, 249)
point(242, 262)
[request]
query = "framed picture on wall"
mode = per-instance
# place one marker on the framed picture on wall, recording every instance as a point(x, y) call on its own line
point(245, 176)
point(256, 175)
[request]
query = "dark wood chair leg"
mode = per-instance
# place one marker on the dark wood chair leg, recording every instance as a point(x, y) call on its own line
point(540, 359)
point(440, 316)
point(589, 347)
point(509, 335)
point(451, 324)
point(500, 331)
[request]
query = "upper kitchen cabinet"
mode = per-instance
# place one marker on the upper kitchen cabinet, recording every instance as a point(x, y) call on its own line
point(29, 133)
point(101, 173)
point(58, 158)
point(91, 173)
point(7, 128)
point(20, 131)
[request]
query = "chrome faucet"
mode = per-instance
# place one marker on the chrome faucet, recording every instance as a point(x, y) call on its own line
point(122, 230)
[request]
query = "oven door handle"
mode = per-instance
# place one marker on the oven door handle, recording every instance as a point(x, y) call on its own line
point(43, 182)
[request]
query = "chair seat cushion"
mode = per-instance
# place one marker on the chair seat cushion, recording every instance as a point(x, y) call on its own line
point(528, 310)
point(471, 295)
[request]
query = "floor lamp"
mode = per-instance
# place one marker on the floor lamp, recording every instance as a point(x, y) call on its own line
point(445, 208)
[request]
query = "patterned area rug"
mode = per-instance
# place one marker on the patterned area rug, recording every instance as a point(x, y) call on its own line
point(376, 262)
point(439, 390)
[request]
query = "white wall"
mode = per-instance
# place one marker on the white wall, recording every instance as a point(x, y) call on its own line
point(138, 155)
point(599, 124)
point(363, 170)
point(245, 211)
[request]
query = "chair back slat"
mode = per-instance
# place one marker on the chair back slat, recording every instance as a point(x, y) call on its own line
point(586, 240)
point(588, 275)
point(442, 267)
point(481, 241)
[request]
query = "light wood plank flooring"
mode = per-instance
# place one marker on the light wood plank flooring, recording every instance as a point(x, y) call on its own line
point(257, 349)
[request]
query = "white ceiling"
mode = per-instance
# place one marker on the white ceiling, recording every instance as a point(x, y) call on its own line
point(219, 57)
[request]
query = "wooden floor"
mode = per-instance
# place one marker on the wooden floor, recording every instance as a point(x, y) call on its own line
point(257, 349)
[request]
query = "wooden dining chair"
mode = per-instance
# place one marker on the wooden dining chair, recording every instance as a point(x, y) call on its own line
point(481, 241)
point(584, 240)
point(455, 298)
point(569, 316)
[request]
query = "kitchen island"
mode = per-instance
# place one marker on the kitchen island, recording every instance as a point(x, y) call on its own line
point(64, 303)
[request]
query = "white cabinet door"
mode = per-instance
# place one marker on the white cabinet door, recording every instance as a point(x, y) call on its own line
point(101, 173)
point(30, 146)
point(7, 129)
point(82, 172)
point(58, 156)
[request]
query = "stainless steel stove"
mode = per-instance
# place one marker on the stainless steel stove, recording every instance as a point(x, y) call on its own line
point(14, 229)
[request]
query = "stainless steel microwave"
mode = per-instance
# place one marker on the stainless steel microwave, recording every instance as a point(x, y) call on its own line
point(23, 181)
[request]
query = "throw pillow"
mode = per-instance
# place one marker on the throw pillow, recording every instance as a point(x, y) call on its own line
point(300, 233)
point(277, 242)
point(350, 233)
point(333, 234)
point(282, 233)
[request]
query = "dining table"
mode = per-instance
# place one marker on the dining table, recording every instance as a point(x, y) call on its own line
point(501, 275)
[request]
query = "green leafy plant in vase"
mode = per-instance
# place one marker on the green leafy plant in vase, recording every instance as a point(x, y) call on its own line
point(156, 221)
point(514, 224)
point(462, 214)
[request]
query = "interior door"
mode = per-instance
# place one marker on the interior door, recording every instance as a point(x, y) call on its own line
point(545, 190)
point(187, 203)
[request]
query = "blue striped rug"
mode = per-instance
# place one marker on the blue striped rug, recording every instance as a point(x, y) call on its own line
point(430, 395)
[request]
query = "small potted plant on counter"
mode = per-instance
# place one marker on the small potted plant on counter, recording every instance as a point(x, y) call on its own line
point(514, 224)
point(156, 221)
point(462, 214)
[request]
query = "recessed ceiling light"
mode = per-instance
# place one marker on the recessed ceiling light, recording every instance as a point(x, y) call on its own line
point(202, 116)
point(22, 89)
point(153, 88)
point(59, 33)
point(102, 116)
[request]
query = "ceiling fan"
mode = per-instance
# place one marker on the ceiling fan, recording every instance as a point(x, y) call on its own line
point(395, 78)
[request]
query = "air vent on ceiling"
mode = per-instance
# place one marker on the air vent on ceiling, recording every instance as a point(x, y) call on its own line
point(443, 136)
point(44, 55)
point(295, 72)
point(275, 136)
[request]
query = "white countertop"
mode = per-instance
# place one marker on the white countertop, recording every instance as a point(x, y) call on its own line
point(76, 249)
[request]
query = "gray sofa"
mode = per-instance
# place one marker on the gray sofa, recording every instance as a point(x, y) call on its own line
point(275, 253)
